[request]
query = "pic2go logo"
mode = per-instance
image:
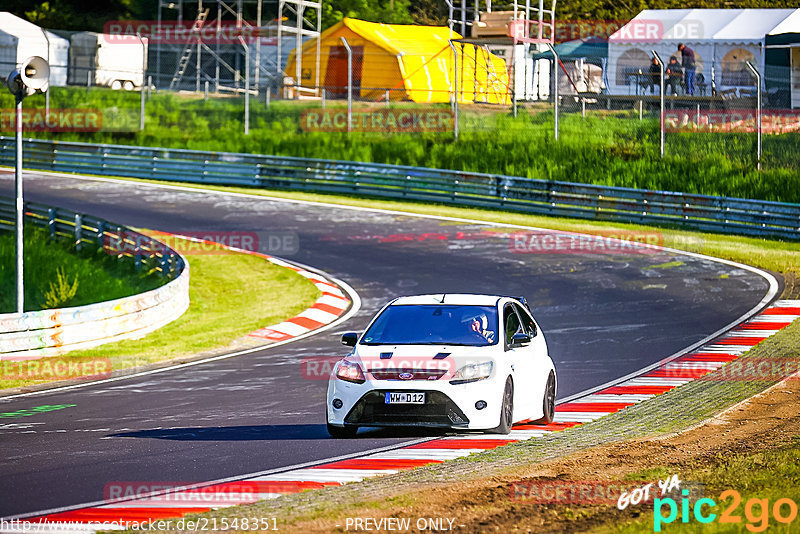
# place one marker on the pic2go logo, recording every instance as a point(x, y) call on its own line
point(756, 511)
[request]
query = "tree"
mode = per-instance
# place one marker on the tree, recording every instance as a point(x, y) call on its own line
point(387, 11)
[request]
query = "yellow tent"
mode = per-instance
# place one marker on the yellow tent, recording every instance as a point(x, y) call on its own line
point(413, 62)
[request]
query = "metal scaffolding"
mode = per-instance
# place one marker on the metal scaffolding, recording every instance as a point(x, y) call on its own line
point(220, 61)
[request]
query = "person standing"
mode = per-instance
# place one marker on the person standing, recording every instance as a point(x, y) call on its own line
point(654, 76)
point(689, 66)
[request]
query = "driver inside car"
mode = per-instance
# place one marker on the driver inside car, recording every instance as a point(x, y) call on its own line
point(480, 324)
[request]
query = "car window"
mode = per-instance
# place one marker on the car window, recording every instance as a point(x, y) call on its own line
point(434, 324)
point(511, 323)
point(527, 321)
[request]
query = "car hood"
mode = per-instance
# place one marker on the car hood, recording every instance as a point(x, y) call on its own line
point(449, 358)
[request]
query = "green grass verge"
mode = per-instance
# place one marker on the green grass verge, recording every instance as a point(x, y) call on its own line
point(94, 276)
point(609, 148)
point(231, 294)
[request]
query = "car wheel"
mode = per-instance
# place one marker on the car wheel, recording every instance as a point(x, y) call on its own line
point(342, 432)
point(128, 85)
point(549, 401)
point(116, 85)
point(507, 409)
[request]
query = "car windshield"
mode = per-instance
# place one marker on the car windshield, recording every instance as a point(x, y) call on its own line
point(434, 324)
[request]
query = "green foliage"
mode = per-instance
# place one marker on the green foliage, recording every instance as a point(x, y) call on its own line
point(613, 149)
point(61, 291)
point(387, 11)
point(47, 263)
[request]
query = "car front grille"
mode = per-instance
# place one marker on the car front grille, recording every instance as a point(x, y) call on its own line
point(438, 411)
point(401, 374)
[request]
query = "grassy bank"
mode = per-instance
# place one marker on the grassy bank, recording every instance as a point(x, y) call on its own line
point(58, 277)
point(610, 148)
point(231, 295)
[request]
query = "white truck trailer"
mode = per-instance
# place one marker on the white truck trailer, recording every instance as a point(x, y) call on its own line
point(116, 61)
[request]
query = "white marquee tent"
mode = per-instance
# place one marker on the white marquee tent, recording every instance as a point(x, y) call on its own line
point(20, 39)
point(722, 39)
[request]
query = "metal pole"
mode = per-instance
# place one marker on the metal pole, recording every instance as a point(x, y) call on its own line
point(324, 97)
point(555, 89)
point(149, 84)
point(455, 90)
point(20, 209)
point(141, 91)
point(661, 99)
point(47, 91)
point(141, 109)
point(89, 80)
point(640, 108)
point(758, 111)
point(349, 85)
point(269, 95)
point(158, 44)
point(205, 91)
point(583, 108)
point(246, 89)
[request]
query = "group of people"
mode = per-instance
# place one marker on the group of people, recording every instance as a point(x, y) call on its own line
point(677, 75)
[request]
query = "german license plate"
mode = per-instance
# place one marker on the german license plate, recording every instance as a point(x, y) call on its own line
point(405, 398)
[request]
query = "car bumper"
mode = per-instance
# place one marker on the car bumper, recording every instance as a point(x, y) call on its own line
point(446, 405)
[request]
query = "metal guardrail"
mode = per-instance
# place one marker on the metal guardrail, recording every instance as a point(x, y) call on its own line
point(585, 201)
point(52, 332)
point(88, 231)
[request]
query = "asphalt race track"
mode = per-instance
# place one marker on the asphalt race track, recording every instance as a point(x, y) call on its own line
point(604, 315)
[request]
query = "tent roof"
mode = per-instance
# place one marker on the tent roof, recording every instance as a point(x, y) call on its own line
point(728, 25)
point(396, 38)
point(590, 47)
point(12, 25)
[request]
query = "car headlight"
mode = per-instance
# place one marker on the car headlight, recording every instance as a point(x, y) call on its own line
point(350, 372)
point(472, 373)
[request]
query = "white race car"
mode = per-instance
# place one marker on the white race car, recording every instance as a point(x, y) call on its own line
point(466, 362)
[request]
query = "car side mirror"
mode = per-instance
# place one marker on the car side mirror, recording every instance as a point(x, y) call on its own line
point(350, 339)
point(520, 339)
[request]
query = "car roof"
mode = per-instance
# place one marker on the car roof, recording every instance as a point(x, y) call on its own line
point(461, 299)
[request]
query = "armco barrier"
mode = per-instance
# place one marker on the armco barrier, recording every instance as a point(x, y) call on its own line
point(52, 332)
point(586, 201)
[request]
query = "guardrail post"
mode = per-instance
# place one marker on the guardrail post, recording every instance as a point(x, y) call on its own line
point(51, 222)
point(101, 230)
point(661, 99)
point(78, 224)
point(137, 254)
